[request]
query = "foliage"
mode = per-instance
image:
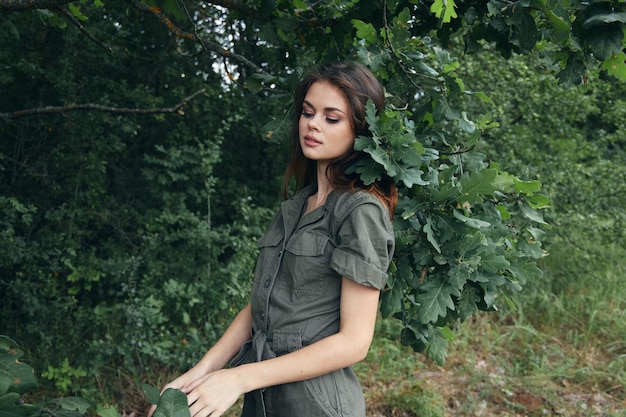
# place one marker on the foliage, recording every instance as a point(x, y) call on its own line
point(17, 379)
point(573, 140)
point(467, 231)
point(120, 225)
point(171, 403)
point(136, 226)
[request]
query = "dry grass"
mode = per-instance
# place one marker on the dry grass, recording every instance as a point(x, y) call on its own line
point(493, 371)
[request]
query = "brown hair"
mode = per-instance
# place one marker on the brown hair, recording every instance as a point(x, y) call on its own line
point(358, 85)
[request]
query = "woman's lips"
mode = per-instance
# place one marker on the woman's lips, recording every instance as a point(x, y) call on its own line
point(311, 141)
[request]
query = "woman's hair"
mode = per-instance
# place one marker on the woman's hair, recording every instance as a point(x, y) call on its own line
point(358, 85)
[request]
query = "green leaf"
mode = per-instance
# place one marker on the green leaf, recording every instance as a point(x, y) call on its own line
point(527, 187)
point(531, 214)
point(173, 403)
point(171, 7)
point(374, 56)
point(391, 299)
point(444, 10)
point(525, 272)
point(447, 228)
point(408, 175)
point(527, 32)
point(379, 155)
point(21, 410)
point(434, 300)
point(398, 33)
point(277, 129)
point(561, 28)
point(8, 399)
point(72, 403)
point(152, 393)
point(482, 96)
point(606, 41)
point(413, 338)
point(408, 155)
point(431, 236)
point(574, 71)
point(365, 31)
point(531, 249)
point(299, 4)
point(476, 185)
point(615, 65)
point(504, 212)
point(446, 192)
point(109, 411)
point(258, 82)
point(15, 376)
point(504, 181)
point(369, 171)
point(471, 222)
point(75, 10)
point(493, 263)
point(604, 18)
point(437, 349)
point(458, 275)
point(539, 201)
point(467, 305)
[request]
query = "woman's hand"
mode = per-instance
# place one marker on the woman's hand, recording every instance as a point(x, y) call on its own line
point(216, 358)
point(186, 383)
point(214, 394)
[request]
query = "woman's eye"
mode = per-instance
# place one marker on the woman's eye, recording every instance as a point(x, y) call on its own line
point(307, 114)
point(331, 120)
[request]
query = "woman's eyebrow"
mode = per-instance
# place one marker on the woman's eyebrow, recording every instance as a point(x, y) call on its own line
point(325, 108)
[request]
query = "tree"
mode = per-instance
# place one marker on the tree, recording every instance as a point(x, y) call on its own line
point(109, 198)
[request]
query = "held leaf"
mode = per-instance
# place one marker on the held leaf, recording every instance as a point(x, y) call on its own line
point(173, 403)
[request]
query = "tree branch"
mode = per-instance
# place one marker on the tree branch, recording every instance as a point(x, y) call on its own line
point(206, 44)
point(82, 29)
point(25, 5)
point(97, 107)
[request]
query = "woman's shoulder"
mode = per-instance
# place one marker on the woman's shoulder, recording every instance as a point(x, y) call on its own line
point(346, 201)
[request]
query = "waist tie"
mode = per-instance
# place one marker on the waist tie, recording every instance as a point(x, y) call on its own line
point(261, 347)
point(255, 350)
point(261, 351)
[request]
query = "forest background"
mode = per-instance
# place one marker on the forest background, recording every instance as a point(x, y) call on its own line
point(142, 145)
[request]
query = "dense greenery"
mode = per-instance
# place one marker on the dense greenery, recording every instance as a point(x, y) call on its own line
point(143, 144)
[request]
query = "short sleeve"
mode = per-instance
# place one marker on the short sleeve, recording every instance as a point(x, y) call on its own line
point(365, 242)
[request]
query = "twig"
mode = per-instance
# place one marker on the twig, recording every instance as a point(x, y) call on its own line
point(82, 29)
point(25, 5)
point(97, 107)
point(408, 72)
point(206, 44)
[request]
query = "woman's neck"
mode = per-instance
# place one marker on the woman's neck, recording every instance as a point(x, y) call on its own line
point(323, 190)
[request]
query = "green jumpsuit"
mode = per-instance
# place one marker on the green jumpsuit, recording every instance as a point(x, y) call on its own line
point(296, 293)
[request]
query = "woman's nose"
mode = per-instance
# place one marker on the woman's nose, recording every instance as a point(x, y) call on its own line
point(313, 122)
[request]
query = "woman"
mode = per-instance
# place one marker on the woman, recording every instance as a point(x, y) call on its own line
point(321, 266)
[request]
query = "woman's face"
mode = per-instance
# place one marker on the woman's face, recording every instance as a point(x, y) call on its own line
point(325, 129)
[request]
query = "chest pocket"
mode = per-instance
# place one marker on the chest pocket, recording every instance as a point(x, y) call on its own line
point(305, 268)
point(270, 246)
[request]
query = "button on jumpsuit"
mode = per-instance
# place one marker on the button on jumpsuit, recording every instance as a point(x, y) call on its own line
point(296, 294)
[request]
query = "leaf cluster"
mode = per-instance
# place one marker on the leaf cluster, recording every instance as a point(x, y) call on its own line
point(18, 378)
point(132, 227)
point(574, 37)
point(468, 233)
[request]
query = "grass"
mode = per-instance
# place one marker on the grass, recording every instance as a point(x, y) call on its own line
point(561, 352)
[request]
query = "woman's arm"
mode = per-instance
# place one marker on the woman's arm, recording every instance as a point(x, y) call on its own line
point(218, 356)
point(359, 306)
point(238, 333)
